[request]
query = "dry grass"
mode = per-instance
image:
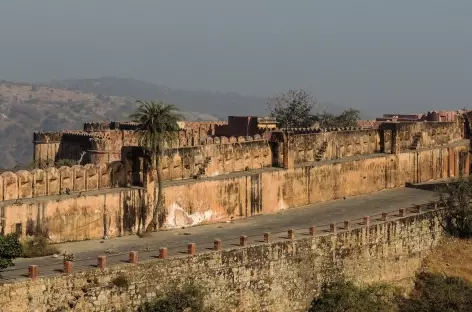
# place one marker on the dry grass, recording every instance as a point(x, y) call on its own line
point(452, 258)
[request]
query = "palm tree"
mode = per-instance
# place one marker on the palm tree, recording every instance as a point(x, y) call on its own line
point(157, 126)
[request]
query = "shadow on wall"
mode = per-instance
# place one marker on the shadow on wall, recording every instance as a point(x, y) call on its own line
point(117, 174)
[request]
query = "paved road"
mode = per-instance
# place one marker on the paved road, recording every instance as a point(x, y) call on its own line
point(176, 241)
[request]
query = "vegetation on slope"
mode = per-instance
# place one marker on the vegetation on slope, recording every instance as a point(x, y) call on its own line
point(432, 293)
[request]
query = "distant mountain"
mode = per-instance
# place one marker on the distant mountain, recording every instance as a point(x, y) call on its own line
point(66, 105)
point(216, 104)
point(25, 108)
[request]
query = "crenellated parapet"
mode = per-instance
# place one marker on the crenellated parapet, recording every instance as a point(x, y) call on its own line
point(59, 181)
point(96, 126)
point(318, 130)
point(184, 142)
point(47, 137)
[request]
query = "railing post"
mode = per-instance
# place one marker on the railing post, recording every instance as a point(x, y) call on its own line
point(243, 240)
point(267, 237)
point(163, 254)
point(291, 234)
point(192, 249)
point(217, 244)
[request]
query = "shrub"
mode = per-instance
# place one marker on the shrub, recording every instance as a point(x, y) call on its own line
point(189, 298)
point(437, 293)
point(456, 197)
point(10, 248)
point(345, 296)
point(38, 246)
point(121, 281)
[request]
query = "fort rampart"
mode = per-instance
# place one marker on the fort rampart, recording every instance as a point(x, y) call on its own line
point(118, 211)
point(280, 275)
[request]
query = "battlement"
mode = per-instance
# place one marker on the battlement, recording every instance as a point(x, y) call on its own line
point(426, 134)
point(221, 140)
point(317, 130)
point(55, 181)
point(283, 147)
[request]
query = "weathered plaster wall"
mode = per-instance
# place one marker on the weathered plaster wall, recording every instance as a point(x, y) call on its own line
point(238, 195)
point(334, 144)
point(411, 135)
point(111, 212)
point(219, 156)
point(279, 276)
point(272, 190)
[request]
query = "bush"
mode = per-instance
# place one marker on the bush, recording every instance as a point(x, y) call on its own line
point(38, 246)
point(65, 162)
point(10, 248)
point(189, 298)
point(436, 293)
point(456, 197)
point(345, 296)
point(121, 281)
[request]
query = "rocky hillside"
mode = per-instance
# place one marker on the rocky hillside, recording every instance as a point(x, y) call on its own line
point(25, 108)
point(215, 103)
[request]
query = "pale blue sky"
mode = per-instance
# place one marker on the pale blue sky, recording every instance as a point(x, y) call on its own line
point(380, 55)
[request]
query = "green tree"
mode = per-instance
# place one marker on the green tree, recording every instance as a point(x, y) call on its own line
point(293, 109)
point(456, 197)
point(157, 127)
point(10, 248)
point(348, 118)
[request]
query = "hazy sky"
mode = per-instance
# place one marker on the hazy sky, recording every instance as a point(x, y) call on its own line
point(392, 56)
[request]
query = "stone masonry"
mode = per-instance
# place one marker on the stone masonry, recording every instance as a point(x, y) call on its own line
point(281, 274)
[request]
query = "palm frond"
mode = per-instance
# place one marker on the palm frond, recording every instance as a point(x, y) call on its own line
point(157, 124)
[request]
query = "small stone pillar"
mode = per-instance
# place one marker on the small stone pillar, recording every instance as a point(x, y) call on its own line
point(67, 267)
point(163, 253)
point(312, 230)
point(133, 257)
point(217, 244)
point(192, 249)
point(102, 262)
point(33, 272)
point(402, 212)
point(332, 228)
point(366, 221)
point(347, 225)
point(384, 216)
point(243, 240)
point(291, 234)
point(267, 237)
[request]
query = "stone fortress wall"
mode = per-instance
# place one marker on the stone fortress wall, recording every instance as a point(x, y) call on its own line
point(220, 178)
point(282, 274)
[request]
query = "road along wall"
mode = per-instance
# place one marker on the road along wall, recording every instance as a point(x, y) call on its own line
point(284, 274)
